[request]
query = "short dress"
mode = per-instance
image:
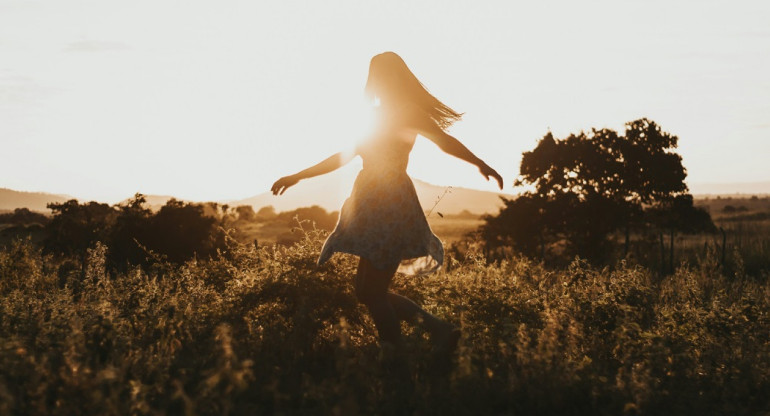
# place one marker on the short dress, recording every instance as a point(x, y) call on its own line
point(382, 220)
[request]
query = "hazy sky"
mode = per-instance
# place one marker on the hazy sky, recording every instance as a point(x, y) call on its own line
point(216, 100)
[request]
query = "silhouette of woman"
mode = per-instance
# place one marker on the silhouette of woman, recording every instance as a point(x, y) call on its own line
point(382, 221)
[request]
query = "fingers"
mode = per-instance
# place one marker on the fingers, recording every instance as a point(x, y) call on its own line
point(498, 179)
point(278, 188)
point(491, 173)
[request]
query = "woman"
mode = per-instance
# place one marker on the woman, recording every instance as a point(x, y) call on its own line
point(382, 221)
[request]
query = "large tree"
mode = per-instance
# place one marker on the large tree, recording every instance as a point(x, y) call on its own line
point(588, 185)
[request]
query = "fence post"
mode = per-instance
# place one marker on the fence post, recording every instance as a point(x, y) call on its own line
point(671, 254)
point(724, 245)
point(628, 237)
point(662, 255)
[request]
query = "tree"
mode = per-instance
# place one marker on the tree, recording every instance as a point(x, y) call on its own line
point(75, 227)
point(679, 214)
point(23, 216)
point(589, 185)
point(266, 213)
point(131, 229)
point(521, 224)
point(246, 213)
point(178, 231)
point(181, 231)
point(314, 215)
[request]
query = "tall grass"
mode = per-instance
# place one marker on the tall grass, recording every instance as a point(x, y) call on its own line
point(265, 331)
point(741, 249)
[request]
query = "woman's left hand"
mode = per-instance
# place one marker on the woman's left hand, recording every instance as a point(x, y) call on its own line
point(488, 172)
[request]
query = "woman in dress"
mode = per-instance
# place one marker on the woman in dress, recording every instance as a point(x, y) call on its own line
point(382, 221)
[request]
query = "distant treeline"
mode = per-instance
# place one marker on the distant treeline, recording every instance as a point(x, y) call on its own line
point(23, 216)
point(315, 214)
point(599, 195)
point(136, 235)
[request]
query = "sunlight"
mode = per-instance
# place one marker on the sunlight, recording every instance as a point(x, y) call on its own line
point(343, 131)
point(281, 88)
point(361, 125)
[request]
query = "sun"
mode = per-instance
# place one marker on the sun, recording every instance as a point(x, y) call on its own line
point(360, 126)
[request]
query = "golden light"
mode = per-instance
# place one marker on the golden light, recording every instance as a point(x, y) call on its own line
point(361, 125)
point(256, 91)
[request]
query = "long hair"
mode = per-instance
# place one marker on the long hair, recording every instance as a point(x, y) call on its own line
point(388, 72)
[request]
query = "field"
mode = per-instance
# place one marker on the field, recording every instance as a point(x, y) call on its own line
point(449, 229)
point(452, 229)
point(261, 330)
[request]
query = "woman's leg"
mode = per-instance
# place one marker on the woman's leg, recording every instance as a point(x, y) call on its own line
point(407, 310)
point(371, 290)
point(388, 308)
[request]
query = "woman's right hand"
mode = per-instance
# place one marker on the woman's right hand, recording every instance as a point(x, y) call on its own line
point(281, 185)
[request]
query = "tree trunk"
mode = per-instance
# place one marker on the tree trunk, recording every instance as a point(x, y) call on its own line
point(542, 251)
point(724, 245)
point(628, 234)
point(662, 255)
point(671, 253)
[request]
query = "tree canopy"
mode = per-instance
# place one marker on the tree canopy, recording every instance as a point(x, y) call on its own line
point(178, 231)
point(590, 184)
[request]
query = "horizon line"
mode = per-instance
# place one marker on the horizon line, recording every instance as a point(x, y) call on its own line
point(765, 191)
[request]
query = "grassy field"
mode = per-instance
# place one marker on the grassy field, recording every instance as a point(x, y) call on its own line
point(264, 331)
point(452, 229)
point(448, 228)
point(259, 329)
point(718, 206)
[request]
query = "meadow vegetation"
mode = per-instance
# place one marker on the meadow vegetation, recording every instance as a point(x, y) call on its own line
point(209, 309)
point(259, 329)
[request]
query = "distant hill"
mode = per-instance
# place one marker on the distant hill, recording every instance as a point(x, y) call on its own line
point(37, 201)
point(330, 191)
point(730, 189)
point(154, 202)
point(457, 200)
point(34, 201)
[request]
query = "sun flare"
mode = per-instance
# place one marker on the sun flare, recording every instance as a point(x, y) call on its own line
point(361, 126)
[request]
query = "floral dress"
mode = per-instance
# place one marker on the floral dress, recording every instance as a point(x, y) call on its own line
point(382, 220)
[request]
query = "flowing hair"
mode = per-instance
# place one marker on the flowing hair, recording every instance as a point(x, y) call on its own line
point(387, 71)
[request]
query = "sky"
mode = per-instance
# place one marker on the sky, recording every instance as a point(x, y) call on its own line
point(216, 100)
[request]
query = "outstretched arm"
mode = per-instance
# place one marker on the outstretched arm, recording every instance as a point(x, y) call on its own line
point(329, 164)
point(452, 146)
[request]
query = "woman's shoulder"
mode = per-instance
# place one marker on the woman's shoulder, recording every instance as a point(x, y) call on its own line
point(410, 109)
point(410, 114)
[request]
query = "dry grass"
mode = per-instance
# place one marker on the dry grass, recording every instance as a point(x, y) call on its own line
point(263, 331)
point(450, 229)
